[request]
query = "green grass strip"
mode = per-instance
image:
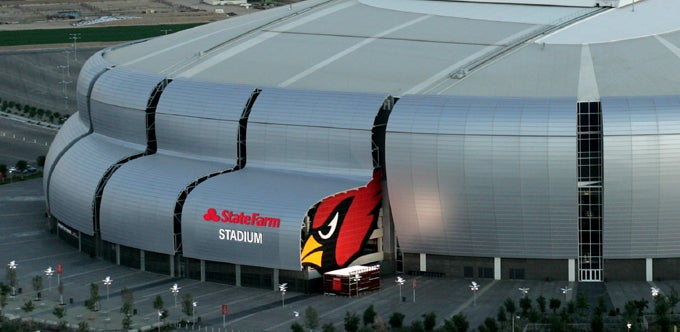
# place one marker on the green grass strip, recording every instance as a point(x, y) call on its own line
point(85, 35)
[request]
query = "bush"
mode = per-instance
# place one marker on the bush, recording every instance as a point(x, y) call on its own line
point(396, 320)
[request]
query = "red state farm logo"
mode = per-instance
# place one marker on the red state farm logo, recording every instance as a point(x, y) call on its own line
point(252, 219)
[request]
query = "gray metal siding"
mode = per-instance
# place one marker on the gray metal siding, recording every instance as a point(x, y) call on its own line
point(312, 130)
point(95, 65)
point(284, 195)
point(486, 177)
point(138, 202)
point(119, 101)
point(641, 176)
point(75, 178)
point(69, 132)
point(201, 118)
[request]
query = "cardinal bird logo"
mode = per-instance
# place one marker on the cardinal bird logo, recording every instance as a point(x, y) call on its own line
point(341, 225)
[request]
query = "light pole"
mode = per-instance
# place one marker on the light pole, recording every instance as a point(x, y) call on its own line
point(524, 291)
point(193, 312)
point(175, 290)
point(74, 37)
point(357, 278)
point(49, 272)
point(107, 282)
point(474, 287)
point(401, 282)
point(282, 289)
point(655, 291)
point(12, 276)
point(629, 325)
point(565, 291)
point(160, 314)
point(513, 322)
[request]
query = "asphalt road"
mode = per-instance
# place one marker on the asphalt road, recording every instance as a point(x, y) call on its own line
point(22, 141)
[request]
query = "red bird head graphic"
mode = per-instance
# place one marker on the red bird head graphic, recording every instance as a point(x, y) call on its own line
point(341, 225)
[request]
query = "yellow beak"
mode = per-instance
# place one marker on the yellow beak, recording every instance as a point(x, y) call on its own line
point(309, 255)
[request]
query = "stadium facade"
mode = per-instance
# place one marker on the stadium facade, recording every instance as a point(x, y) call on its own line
point(470, 140)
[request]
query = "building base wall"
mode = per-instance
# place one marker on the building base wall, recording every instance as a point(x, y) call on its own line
point(624, 269)
point(483, 267)
point(666, 269)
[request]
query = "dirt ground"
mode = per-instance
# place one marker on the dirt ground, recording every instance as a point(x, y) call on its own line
point(35, 14)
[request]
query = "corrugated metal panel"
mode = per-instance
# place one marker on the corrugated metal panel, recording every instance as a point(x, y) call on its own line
point(119, 101)
point(201, 118)
point(138, 202)
point(69, 132)
point(276, 194)
point(641, 176)
point(95, 65)
point(75, 178)
point(313, 130)
point(476, 181)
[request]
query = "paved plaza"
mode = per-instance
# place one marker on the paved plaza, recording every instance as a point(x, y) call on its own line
point(27, 240)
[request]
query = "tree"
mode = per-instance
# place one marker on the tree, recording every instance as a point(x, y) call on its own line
point(126, 322)
point(311, 318)
point(158, 303)
point(188, 304)
point(510, 306)
point(4, 293)
point(21, 166)
point(502, 316)
point(525, 304)
point(662, 309)
point(429, 320)
point(555, 304)
point(40, 161)
point(83, 326)
point(93, 301)
point(296, 327)
point(3, 171)
point(28, 306)
point(369, 315)
point(541, 303)
point(37, 285)
point(328, 327)
point(128, 301)
point(351, 322)
point(673, 299)
point(396, 320)
point(59, 312)
point(417, 326)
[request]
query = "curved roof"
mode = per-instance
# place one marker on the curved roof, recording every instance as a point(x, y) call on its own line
point(417, 47)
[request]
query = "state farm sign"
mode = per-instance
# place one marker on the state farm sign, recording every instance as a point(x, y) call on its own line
point(241, 218)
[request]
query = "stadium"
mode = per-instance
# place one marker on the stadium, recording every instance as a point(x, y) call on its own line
point(504, 140)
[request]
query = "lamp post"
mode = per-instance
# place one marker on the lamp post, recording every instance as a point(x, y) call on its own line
point(107, 282)
point(193, 311)
point(160, 314)
point(513, 322)
point(357, 278)
point(49, 272)
point(629, 325)
point(282, 288)
point(12, 275)
point(524, 291)
point(474, 287)
point(401, 282)
point(565, 291)
point(175, 290)
point(655, 291)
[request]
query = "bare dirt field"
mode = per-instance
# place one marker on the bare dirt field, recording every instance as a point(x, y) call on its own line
point(43, 14)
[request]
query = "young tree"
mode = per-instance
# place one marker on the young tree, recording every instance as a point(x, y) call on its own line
point(128, 301)
point(525, 304)
point(188, 305)
point(296, 327)
point(328, 327)
point(158, 303)
point(21, 166)
point(93, 301)
point(429, 321)
point(126, 322)
point(510, 306)
point(369, 315)
point(541, 303)
point(4, 293)
point(555, 304)
point(311, 318)
point(59, 312)
point(460, 322)
point(12, 279)
point(37, 285)
point(351, 322)
point(28, 306)
point(83, 326)
point(396, 320)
